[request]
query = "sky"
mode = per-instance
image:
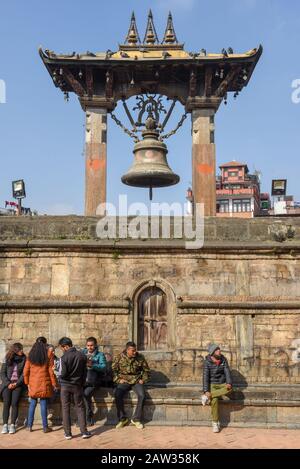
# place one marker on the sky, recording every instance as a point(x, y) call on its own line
point(42, 136)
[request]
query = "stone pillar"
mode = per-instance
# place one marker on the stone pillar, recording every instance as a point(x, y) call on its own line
point(95, 159)
point(204, 159)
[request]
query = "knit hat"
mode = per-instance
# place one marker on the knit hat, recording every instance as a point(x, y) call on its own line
point(212, 348)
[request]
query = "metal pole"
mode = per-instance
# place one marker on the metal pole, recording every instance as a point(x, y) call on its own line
point(19, 206)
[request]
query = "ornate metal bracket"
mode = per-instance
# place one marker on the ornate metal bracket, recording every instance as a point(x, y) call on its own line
point(148, 105)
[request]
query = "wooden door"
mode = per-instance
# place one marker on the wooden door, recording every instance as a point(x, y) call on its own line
point(152, 320)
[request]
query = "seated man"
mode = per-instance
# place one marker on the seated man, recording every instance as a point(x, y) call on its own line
point(217, 382)
point(96, 366)
point(130, 371)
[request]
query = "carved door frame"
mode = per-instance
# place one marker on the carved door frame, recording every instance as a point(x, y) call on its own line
point(171, 313)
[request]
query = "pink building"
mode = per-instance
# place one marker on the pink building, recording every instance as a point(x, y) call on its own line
point(238, 192)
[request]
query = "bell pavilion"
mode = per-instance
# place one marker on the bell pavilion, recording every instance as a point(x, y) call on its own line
point(198, 80)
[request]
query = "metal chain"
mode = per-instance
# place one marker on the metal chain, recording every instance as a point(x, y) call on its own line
point(135, 137)
point(127, 131)
point(172, 132)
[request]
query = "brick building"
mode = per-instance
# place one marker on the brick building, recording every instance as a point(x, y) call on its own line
point(238, 192)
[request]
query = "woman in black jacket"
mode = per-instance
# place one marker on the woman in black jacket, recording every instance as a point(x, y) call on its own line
point(12, 384)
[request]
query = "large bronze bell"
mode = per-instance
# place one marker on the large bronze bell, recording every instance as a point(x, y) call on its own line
point(150, 167)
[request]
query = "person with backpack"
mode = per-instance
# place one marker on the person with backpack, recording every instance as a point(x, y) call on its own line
point(40, 380)
point(12, 380)
point(96, 366)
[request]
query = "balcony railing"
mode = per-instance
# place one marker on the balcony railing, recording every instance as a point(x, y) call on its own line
point(235, 191)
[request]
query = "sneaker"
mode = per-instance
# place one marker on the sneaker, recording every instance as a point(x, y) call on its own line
point(5, 429)
point(86, 435)
point(68, 436)
point(29, 429)
point(205, 400)
point(47, 430)
point(12, 429)
point(137, 424)
point(122, 423)
point(216, 427)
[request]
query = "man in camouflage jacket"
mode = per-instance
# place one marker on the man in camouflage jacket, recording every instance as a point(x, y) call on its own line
point(130, 371)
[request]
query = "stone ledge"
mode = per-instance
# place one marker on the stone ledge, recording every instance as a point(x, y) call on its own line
point(261, 407)
point(184, 307)
point(29, 247)
point(59, 228)
point(75, 304)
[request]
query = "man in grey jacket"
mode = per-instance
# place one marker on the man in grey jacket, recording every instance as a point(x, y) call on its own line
point(217, 382)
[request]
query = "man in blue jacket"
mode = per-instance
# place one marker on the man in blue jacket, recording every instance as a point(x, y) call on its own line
point(217, 382)
point(96, 366)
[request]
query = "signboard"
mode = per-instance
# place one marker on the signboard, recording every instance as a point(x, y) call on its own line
point(18, 189)
point(265, 205)
point(278, 186)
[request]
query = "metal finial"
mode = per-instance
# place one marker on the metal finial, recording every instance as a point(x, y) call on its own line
point(170, 35)
point(132, 37)
point(150, 34)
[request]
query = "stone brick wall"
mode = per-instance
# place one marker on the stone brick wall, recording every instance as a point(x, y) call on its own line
point(242, 290)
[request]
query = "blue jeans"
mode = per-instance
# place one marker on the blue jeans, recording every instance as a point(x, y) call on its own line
point(31, 411)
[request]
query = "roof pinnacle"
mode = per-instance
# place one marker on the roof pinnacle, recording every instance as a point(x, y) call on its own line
point(132, 36)
point(150, 34)
point(170, 35)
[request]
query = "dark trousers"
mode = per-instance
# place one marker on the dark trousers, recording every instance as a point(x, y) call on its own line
point(88, 393)
point(120, 392)
point(72, 393)
point(11, 399)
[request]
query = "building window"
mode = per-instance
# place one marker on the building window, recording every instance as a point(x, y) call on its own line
point(241, 205)
point(223, 206)
point(233, 173)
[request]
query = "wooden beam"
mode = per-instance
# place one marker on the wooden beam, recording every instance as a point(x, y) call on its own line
point(89, 79)
point(208, 80)
point(73, 82)
point(223, 86)
point(109, 84)
point(193, 83)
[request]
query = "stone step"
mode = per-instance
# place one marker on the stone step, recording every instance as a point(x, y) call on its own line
point(262, 407)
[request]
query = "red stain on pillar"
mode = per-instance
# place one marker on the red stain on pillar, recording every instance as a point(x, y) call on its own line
point(205, 168)
point(95, 165)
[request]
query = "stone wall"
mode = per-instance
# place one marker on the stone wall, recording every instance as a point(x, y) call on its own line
point(242, 290)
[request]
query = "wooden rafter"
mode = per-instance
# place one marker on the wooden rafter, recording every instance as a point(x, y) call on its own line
point(223, 86)
point(73, 82)
point(89, 81)
point(208, 80)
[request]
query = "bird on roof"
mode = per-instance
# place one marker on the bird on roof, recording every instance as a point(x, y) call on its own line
point(109, 53)
point(165, 54)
